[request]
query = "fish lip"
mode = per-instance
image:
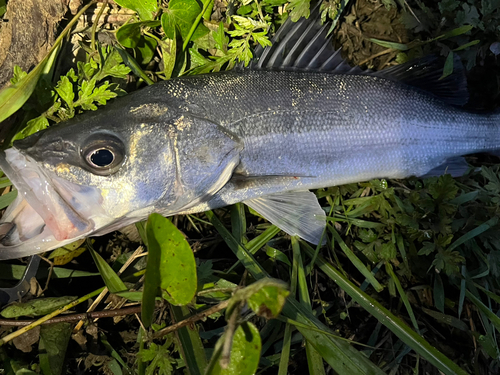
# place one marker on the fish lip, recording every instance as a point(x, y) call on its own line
point(58, 222)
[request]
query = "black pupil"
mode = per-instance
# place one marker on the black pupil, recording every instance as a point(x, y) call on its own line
point(102, 158)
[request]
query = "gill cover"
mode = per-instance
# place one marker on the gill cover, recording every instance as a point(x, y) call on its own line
point(205, 156)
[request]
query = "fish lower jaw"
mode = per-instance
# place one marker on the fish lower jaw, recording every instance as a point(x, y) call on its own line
point(43, 216)
point(23, 232)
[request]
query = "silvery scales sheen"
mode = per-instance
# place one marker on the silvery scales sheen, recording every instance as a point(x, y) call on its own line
point(298, 118)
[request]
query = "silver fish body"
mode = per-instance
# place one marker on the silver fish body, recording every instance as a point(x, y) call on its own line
point(298, 118)
point(191, 144)
point(309, 130)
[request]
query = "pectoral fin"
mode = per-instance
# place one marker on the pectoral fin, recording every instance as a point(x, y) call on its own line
point(296, 213)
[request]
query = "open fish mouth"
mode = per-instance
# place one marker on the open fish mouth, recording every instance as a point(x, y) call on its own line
point(48, 212)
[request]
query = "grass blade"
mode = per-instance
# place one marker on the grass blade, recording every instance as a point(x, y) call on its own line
point(343, 358)
point(356, 261)
point(494, 319)
point(111, 279)
point(474, 232)
point(314, 361)
point(396, 325)
point(190, 343)
point(285, 351)
point(239, 250)
point(402, 293)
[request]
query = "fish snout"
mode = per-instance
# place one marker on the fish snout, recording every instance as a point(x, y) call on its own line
point(28, 142)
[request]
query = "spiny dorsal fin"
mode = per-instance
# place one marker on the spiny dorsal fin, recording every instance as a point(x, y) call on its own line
point(303, 46)
point(306, 46)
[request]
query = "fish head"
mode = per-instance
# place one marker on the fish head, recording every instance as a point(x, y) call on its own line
point(102, 171)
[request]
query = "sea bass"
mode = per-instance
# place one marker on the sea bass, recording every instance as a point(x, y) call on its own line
point(297, 118)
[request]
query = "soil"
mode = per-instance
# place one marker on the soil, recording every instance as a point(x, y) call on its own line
point(28, 31)
point(370, 19)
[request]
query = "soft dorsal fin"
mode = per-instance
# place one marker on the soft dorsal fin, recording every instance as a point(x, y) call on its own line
point(306, 46)
point(425, 73)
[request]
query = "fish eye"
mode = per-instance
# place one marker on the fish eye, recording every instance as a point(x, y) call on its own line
point(101, 158)
point(103, 154)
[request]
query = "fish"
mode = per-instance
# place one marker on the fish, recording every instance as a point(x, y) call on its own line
point(297, 118)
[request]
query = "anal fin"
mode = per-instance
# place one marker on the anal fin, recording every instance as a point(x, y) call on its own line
point(295, 212)
point(456, 167)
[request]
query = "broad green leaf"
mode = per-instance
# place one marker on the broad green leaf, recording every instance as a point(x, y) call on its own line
point(447, 319)
point(266, 297)
point(129, 35)
point(16, 272)
point(65, 254)
point(277, 255)
point(152, 279)
point(464, 198)
point(457, 31)
point(448, 66)
point(54, 341)
point(132, 296)
point(14, 96)
point(177, 264)
point(146, 48)
point(182, 13)
point(36, 307)
point(169, 52)
point(3, 7)
point(298, 9)
point(33, 126)
point(133, 65)
point(111, 279)
point(245, 352)
point(467, 45)
point(4, 182)
point(438, 292)
point(145, 8)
